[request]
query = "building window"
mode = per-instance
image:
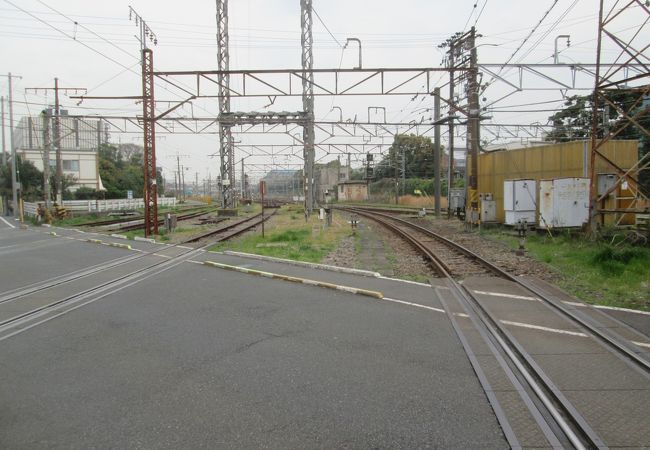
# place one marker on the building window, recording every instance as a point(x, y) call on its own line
point(71, 165)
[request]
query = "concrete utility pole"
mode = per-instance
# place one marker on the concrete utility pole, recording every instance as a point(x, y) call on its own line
point(47, 142)
point(4, 146)
point(243, 181)
point(57, 144)
point(178, 165)
point(183, 181)
point(436, 150)
point(474, 118)
point(450, 164)
point(14, 165)
point(57, 137)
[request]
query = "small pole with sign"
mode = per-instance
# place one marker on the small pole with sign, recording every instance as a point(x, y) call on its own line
point(262, 192)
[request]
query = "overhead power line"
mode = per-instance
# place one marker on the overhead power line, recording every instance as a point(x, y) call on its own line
point(328, 30)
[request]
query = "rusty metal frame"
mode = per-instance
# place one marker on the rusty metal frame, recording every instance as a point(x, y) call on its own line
point(617, 77)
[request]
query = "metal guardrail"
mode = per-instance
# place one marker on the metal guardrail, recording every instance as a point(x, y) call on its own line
point(91, 206)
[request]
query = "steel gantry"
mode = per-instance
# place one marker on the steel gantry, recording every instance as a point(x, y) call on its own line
point(632, 51)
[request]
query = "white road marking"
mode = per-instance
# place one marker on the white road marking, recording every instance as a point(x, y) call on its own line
point(416, 283)
point(501, 294)
point(5, 221)
point(611, 308)
point(417, 305)
point(641, 344)
point(537, 327)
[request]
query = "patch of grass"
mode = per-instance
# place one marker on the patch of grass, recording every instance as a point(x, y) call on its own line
point(77, 220)
point(593, 271)
point(302, 242)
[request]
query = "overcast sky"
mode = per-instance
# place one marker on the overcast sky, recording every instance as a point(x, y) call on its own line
point(100, 53)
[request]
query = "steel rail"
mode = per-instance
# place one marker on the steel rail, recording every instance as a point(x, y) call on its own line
point(229, 227)
point(24, 291)
point(610, 341)
point(108, 285)
point(574, 427)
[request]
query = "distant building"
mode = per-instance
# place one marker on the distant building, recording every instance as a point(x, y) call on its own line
point(285, 183)
point(328, 177)
point(353, 191)
point(80, 140)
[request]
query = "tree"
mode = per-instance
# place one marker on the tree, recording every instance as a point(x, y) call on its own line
point(575, 122)
point(121, 169)
point(30, 178)
point(411, 152)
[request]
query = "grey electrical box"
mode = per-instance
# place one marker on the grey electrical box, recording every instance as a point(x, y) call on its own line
point(606, 181)
point(488, 210)
point(457, 198)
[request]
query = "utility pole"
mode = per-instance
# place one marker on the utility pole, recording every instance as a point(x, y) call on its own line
point(450, 168)
point(57, 144)
point(56, 132)
point(47, 142)
point(403, 170)
point(176, 185)
point(243, 181)
point(178, 165)
point(196, 183)
point(183, 181)
point(436, 150)
point(4, 146)
point(474, 126)
point(14, 165)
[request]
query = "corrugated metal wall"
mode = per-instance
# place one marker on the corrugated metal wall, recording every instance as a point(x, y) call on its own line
point(569, 159)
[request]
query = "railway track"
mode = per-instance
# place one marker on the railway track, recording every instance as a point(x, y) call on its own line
point(190, 213)
point(231, 230)
point(453, 262)
point(37, 297)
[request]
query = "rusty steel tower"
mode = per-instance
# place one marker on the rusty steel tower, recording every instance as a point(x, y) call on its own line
point(629, 77)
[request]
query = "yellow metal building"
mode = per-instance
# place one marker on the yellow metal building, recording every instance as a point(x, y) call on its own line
point(570, 159)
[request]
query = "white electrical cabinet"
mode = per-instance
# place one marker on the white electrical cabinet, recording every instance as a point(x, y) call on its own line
point(563, 202)
point(519, 200)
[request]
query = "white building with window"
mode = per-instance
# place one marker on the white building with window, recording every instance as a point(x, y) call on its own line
point(80, 140)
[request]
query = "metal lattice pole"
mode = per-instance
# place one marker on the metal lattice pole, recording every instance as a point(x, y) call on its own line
point(149, 127)
point(306, 40)
point(226, 147)
point(629, 78)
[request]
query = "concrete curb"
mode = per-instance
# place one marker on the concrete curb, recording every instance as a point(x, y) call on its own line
point(115, 244)
point(365, 273)
point(94, 241)
point(352, 290)
point(119, 236)
point(138, 238)
point(53, 233)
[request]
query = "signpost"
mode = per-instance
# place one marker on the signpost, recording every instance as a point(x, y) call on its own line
point(262, 192)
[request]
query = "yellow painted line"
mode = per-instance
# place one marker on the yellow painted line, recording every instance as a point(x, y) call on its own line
point(352, 290)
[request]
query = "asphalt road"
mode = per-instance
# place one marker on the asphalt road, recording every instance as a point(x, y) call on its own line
point(198, 357)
